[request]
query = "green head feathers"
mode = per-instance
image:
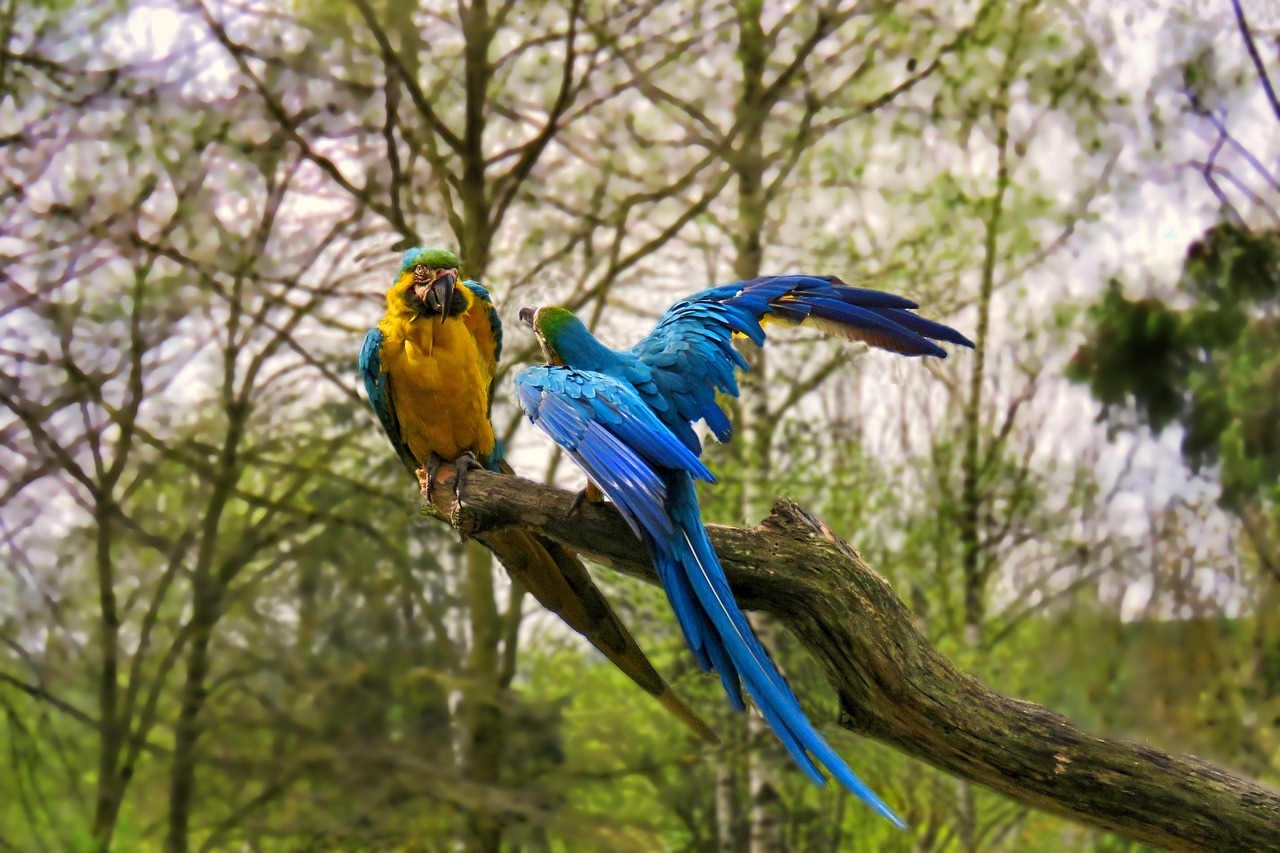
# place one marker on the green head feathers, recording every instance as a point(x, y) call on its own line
point(551, 323)
point(432, 259)
point(564, 339)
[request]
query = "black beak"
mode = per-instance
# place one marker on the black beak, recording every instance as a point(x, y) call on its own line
point(526, 315)
point(440, 294)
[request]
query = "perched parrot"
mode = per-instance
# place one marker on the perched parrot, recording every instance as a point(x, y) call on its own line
point(428, 368)
point(626, 418)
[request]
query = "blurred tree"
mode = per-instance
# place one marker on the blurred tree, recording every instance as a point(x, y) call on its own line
point(978, 499)
point(153, 450)
point(219, 625)
point(1199, 356)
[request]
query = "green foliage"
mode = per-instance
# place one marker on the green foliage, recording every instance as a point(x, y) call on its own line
point(224, 216)
point(1204, 359)
point(1136, 356)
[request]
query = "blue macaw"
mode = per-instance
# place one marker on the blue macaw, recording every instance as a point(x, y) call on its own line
point(428, 368)
point(626, 418)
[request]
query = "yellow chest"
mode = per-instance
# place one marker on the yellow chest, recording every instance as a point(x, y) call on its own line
point(439, 382)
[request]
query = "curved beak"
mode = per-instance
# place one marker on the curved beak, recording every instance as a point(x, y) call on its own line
point(526, 315)
point(440, 295)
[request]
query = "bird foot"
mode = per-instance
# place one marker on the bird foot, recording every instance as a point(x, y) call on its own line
point(578, 500)
point(427, 475)
point(464, 463)
point(590, 494)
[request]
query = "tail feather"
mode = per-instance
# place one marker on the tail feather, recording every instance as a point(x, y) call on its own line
point(559, 581)
point(699, 632)
point(695, 554)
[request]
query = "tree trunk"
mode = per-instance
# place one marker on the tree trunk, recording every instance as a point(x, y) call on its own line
point(111, 728)
point(726, 802)
point(207, 590)
point(482, 747)
point(748, 162)
point(182, 777)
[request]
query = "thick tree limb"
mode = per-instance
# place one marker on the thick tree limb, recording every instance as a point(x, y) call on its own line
point(895, 687)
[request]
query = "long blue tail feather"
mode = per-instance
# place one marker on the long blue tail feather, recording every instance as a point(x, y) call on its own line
point(691, 550)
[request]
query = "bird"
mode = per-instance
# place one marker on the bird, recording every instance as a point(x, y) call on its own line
point(428, 369)
point(627, 417)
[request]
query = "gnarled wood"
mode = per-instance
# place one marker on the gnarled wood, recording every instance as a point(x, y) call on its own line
point(895, 687)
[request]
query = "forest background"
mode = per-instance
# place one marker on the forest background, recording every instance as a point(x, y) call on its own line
point(223, 624)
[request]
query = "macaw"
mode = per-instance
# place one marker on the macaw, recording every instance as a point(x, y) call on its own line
point(626, 418)
point(428, 368)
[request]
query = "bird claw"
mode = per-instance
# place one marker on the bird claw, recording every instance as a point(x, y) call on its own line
point(464, 463)
point(428, 472)
point(427, 475)
point(579, 500)
point(589, 495)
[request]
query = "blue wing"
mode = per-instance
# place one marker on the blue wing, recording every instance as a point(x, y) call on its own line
point(649, 474)
point(612, 435)
point(495, 322)
point(378, 387)
point(689, 356)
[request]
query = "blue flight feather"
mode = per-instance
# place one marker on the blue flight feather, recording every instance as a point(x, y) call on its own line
point(689, 356)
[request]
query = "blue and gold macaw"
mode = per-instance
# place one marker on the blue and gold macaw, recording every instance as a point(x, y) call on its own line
point(428, 368)
point(626, 418)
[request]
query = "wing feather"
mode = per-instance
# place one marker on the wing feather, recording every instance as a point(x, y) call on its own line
point(689, 357)
point(377, 384)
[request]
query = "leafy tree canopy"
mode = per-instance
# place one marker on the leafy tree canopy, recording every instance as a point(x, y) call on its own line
point(1205, 359)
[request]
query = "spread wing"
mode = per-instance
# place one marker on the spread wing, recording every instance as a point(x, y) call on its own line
point(690, 355)
point(377, 384)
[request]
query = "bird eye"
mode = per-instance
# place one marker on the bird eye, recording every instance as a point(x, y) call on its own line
point(421, 273)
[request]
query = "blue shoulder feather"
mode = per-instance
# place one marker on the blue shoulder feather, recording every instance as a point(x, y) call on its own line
point(495, 322)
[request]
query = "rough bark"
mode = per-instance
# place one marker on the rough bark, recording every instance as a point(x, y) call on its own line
point(896, 688)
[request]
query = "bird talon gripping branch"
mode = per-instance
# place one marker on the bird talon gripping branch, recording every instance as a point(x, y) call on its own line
point(427, 475)
point(589, 495)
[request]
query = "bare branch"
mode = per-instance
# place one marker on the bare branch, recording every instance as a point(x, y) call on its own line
point(895, 687)
point(1252, 48)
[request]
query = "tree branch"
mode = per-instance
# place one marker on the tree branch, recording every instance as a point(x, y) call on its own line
point(1261, 67)
point(897, 688)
